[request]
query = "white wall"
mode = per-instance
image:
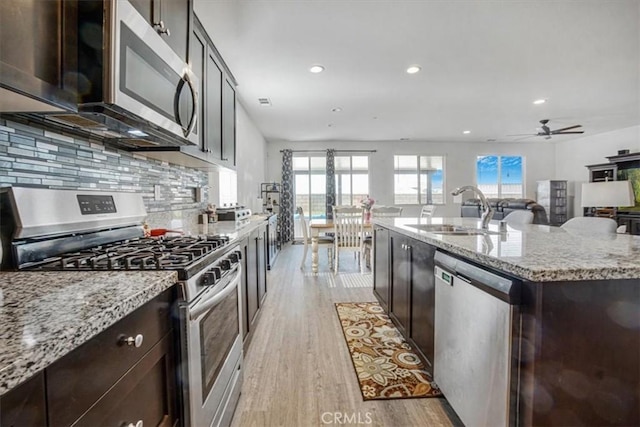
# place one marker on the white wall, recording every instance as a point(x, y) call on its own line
point(251, 154)
point(251, 149)
point(460, 161)
point(571, 157)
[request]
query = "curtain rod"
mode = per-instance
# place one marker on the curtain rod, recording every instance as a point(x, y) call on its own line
point(337, 151)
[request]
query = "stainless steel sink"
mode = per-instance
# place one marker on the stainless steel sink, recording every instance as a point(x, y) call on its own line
point(451, 229)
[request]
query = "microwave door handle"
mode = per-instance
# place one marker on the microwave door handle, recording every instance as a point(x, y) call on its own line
point(194, 104)
point(202, 308)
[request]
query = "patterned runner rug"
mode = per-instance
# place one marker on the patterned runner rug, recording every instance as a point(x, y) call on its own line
point(385, 364)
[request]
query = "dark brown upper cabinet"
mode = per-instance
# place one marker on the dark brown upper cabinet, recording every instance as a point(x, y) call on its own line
point(170, 19)
point(217, 126)
point(38, 56)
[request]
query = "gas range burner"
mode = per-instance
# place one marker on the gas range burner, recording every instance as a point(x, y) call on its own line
point(166, 253)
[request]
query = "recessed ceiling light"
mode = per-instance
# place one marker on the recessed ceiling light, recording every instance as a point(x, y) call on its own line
point(413, 69)
point(539, 101)
point(136, 132)
point(336, 110)
point(316, 69)
point(466, 132)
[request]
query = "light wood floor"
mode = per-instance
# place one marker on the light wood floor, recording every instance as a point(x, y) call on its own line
point(298, 372)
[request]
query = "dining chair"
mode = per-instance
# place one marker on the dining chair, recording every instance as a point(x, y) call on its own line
point(519, 218)
point(427, 211)
point(591, 224)
point(322, 240)
point(348, 224)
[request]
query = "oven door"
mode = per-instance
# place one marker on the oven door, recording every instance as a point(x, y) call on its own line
point(147, 77)
point(214, 352)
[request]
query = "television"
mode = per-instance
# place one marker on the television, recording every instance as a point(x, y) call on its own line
point(632, 174)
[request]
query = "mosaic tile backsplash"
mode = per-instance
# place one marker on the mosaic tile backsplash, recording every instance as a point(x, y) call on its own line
point(36, 156)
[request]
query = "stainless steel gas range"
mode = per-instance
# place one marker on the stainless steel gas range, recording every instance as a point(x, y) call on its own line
point(65, 230)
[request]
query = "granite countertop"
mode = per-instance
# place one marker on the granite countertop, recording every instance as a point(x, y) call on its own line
point(228, 228)
point(538, 253)
point(45, 315)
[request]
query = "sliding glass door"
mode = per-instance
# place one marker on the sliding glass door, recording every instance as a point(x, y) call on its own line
point(310, 188)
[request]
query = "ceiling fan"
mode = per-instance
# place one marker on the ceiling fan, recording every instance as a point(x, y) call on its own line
point(547, 133)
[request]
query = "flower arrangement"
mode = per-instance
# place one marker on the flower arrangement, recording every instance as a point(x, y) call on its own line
point(367, 202)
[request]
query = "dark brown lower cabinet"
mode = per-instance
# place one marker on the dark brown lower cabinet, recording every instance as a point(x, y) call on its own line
point(400, 304)
point(106, 381)
point(381, 266)
point(423, 298)
point(25, 405)
point(146, 393)
point(412, 291)
point(254, 289)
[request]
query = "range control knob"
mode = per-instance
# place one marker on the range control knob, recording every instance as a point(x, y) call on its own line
point(208, 279)
point(225, 264)
point(234, 257)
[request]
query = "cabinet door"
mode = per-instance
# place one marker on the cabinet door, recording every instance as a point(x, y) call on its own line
point(261, 249)
point(423, 298)
point(213, 113)
point(175, 16)
point(400, 282)
point(229, 123)
point(24, 405)
point(251, 284)
point(381, 266)
point(198, 57)
point(38, 47)
point(146, 393)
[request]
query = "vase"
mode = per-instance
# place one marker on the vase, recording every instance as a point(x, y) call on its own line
point(367, 216)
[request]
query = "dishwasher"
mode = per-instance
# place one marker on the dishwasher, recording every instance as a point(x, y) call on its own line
point(475, 357)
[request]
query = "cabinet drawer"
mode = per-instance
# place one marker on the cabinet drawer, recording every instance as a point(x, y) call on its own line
point(78, 379)
point(145, 393)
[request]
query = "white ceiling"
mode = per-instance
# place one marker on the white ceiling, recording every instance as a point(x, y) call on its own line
point(483, 64)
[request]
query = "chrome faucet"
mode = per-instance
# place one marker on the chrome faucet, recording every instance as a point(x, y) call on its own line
point(487, 212)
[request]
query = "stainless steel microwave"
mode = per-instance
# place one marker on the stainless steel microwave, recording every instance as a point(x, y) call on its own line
point(130, 81)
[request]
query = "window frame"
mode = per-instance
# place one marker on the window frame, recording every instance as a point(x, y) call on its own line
point(499, 172)
point(418, 172)
point(351, 172)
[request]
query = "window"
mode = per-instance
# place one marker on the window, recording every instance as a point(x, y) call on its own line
point(418, 180)
point(228, 184)
point(310, 185)
point(352, 179)
point(500, 176)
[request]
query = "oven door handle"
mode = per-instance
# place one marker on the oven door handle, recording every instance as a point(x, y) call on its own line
point(204, 306)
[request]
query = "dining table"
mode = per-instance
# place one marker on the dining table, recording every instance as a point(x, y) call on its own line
point(318, 226)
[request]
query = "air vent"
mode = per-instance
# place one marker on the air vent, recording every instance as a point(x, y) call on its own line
point(265, 102)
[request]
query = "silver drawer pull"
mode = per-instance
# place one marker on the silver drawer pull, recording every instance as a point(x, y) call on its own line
point(137, 342)
point(138, 424)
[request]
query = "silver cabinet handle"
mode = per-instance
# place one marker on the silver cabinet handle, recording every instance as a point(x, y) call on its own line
point(161, 29)
point(137, 342)
point(138, 424)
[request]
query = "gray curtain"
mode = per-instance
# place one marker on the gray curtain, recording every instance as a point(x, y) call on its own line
point(331, 182)
point(286, 198)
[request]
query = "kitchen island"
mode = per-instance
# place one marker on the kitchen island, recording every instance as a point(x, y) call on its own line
point(576, 335)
